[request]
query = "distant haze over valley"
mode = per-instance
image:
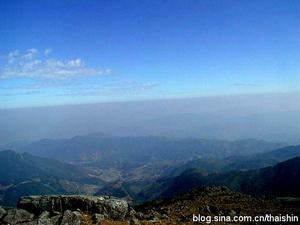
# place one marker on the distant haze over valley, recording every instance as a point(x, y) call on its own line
point(272, 117)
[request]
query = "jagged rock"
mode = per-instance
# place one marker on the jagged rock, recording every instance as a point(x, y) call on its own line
point(164, 216)
point(44, 219)
point(55, 220)
point(232, 213)
point(134, 221)
point(16, 216)
point(2, 212)
point(154, 220)
point(115, 208)
point(111, 207)
point(97, 218)
point(131, 212)
point(140, 215)
point(71, 218)
point(145, 216)
point(155, 214)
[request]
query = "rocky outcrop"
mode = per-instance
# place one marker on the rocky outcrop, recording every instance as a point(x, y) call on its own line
point(64, 210)
point(91, 210)
point(44, 219)
point(110, 207)
point(70, 217)
point(17, 216)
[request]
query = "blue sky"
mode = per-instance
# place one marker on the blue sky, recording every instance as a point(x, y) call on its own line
point(72, 52)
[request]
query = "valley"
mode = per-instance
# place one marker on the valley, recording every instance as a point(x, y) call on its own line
point(141, 169)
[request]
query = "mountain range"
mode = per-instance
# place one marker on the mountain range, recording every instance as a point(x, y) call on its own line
point(98, 146)
point(280, 180)
point(25, 174)
point(145, 168)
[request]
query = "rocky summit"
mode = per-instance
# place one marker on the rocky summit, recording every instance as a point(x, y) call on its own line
point(64, 210)
point(111, 207)
point(105, 210)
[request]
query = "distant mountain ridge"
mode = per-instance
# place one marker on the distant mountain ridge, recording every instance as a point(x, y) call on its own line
point(25, 174)
point(281, 180)
point(17, 167)
point(239, 162)
point(142, 149)
point(264, 159)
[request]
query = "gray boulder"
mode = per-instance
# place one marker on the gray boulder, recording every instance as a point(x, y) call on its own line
point(97, 218)
point(44, 219)
point(71, 218)
point(113, 208)
point(17, 216)
point(134, 221)
point(55, 220)
point(2, 212)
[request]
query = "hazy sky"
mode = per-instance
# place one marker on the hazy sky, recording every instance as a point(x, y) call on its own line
point(62, 52)
point(272, 117)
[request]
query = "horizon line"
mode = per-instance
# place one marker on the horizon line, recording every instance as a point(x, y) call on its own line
point(152, 99)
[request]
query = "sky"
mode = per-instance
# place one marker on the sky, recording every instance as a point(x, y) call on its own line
point(73, 52)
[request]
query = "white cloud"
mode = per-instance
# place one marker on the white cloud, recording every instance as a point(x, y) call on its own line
point(29, 64)
point(47, 51)
point(75, 63)
point(30, 54)
point(12, 56)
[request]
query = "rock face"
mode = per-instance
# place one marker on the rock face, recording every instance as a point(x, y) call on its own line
point(64, 210)
point(44, 219)
point(70, 217)
point(16, 216)
point(110, 207)
point(90, 210)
